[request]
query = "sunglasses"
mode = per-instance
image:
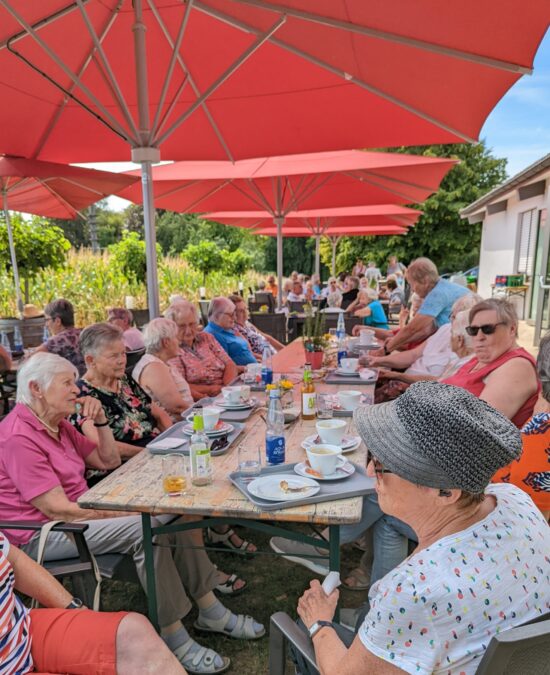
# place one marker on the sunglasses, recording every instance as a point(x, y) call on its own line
point(219, 444)
point(486, 329)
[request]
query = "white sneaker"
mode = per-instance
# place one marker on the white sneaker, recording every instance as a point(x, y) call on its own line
point(302, 554)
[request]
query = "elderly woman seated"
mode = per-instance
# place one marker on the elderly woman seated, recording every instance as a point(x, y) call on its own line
point(481, 560)
point(131, 336)
point(201, 361)
point(373, 314)
point(257, 340)
point(59, 316)
point(56, 638)
point(42, 464)
point(531, 472)
point(221, 324)
point(166, 386)
point(333, 302)
point(500, 372)
point(132, 417)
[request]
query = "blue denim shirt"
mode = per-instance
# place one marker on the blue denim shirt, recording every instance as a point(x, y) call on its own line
point(440, 300)
point(236, 346)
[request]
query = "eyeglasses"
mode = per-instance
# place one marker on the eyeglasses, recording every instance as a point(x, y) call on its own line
point(486, 329)
point(231, 315)
point(377, 466)
point(219, 443)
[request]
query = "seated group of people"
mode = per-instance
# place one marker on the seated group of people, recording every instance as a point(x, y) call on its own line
point(440, 451)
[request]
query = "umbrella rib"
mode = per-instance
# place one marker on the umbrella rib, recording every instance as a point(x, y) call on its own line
point(56, 194)
point(262, 38)
point(208, 194)
point(392, 37)
point(193, 86)
point(337, 71)
point(59, 111)
point(113, 123)
point(261, 200)
point(175, 50)
point(115, 88)
point(168, 112)
point(400, 181)
point(402, 195)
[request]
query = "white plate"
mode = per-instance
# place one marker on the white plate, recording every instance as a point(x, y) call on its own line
point(343, 471)
point(244, 405)
point(167, 443)
point(349, 443)
point(226, 428)
point(346, 373)
point(269, 487)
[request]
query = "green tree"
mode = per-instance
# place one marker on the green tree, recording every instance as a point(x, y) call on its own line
point(298, 254)
point(204, 257)
point(440, 234)
point(236, 263)
point(38, 245)
point(130, 257)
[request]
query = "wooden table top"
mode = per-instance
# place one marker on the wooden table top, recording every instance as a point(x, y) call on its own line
point(137, 485)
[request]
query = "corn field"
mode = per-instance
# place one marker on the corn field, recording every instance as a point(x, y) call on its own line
point(92, 283)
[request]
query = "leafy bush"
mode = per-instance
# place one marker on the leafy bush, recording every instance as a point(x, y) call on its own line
point(236, 263)
point(204, 257)
point(129, 256)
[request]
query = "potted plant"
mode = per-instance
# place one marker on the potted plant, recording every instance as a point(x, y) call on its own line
point(314, 338)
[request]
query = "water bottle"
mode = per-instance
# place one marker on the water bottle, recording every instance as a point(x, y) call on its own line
point(341, 327)
point(199, 454)
point(275, 432)
point(342, 350)
point(18, 345)
point(45, 335)
point(4, 340)
point(267, 368)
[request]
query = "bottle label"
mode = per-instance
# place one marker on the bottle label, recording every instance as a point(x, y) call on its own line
point(275, 449)
point(342, 355)
point(267, 376)
point(308, 404)
point(200, 461)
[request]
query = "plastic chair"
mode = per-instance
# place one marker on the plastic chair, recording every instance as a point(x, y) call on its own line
point(272, 324)
point(132, 357)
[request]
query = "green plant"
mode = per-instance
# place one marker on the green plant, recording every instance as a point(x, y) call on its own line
point(314, 337)
point(130, 257)
point(236, 263)
point(204, 256)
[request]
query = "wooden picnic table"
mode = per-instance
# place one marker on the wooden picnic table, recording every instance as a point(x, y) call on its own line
point(137, 486)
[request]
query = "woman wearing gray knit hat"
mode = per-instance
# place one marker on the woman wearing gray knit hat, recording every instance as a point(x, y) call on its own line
point(481, 564)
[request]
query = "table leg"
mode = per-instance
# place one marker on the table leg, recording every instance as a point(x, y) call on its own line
point(150, 569)
point(334, 557)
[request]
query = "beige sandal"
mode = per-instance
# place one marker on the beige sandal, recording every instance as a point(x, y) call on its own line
point(360, 581)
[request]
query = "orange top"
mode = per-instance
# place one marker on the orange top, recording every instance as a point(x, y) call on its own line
point(531, 472)
point(273, 288)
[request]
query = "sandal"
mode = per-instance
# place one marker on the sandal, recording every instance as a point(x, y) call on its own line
point(217, 540)
point(201, 662)
point(242, 630)
point(228, 586)
point(360, 581)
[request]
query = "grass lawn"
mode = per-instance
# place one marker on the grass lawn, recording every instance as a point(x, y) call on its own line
point(273, 585)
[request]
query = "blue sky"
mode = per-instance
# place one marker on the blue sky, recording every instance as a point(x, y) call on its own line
point(519, 126)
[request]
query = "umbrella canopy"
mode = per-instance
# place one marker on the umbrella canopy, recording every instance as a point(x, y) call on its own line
point(52, 190)
point(228, 79)
point(377, 219)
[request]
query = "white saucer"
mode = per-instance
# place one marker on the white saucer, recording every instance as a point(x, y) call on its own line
point(349, 443)
point(346, 373)
point(243, 405)
point(225, 428)
point(343, 471)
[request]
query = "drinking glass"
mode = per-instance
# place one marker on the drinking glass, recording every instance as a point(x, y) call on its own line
point(249, 462)
point(325, 406)
point(175, 474)
point(332, 333)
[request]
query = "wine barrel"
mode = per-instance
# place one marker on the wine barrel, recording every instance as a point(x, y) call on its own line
point(31, 329)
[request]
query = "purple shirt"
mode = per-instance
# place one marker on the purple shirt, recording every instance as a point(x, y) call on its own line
point(32, 463)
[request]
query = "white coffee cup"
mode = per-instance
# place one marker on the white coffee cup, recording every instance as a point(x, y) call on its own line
point(331, 431)
point(350, 399)
point(324, 458)
point(245, 392)
point(349, 365)
point(231, 394)
point(211, 415)
point(366, 336)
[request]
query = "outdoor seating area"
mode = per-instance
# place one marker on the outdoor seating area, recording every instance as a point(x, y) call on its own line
point(253, 419)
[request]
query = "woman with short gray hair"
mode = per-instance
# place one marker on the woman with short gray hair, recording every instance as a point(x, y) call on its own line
point(166, 387)
point(133, 418)
point(63, 340)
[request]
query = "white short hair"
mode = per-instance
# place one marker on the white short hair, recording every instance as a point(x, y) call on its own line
point(372, 293)
point(156, 331)
point(334, 299)
point(180, 308)
point(40, 368)
point(458, 326)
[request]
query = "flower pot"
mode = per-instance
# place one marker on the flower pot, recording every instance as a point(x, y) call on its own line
point(315, 359)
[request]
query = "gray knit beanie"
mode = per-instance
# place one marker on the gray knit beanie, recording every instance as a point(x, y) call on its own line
point(439, 436)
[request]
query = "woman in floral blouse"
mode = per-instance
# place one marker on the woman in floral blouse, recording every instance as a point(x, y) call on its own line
point(132, 417)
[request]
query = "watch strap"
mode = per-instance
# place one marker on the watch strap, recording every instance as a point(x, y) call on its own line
point(316, 627)
point(76, 603)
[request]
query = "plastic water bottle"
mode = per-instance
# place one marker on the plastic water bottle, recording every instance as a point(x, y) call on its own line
point(267, 367)
point(18, 345)
point(4, 340)
point(341, 327)
point(45, 335)
point(275, 432)
point(342, 350)
point(199, 454)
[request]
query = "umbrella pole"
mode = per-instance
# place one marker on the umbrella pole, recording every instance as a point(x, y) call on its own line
point(334, 242)
point(150, 237)
point(279, 223)
point(15, 269)
point(317, 255)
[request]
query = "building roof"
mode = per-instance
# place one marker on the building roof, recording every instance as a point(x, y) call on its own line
point(501, 190)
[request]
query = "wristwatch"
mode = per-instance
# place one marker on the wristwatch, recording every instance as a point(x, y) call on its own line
point(316, 627)
point(76, 603)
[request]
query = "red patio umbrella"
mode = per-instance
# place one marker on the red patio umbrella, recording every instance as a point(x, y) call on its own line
point(376, 219)
point(211, 79)
point(52, 190)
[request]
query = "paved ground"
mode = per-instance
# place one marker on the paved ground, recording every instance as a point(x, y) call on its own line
point(525, 337)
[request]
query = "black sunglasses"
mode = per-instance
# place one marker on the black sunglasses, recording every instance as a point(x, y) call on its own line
point(219, 444)
point(486, 329)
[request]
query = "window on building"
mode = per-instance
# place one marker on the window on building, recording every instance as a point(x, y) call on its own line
point(527, 241)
